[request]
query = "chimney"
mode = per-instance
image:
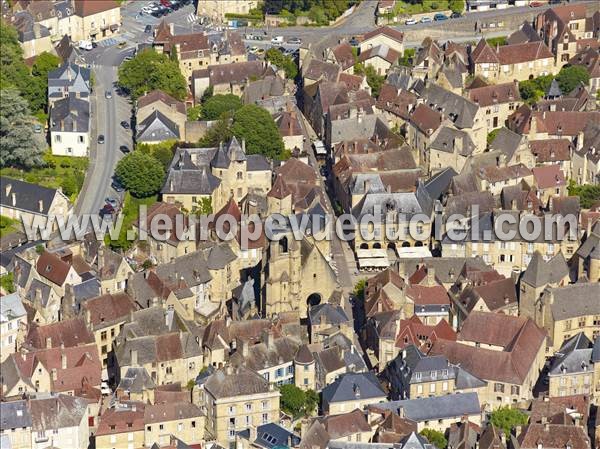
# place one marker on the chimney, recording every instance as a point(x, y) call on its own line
point(430, 276)
point(100, 259)
point(244, 345)
point(88, 317)
point(134, 357)
point(54, 374)
point(48, 342)
point(63, 361)
point(14, 199)
point(8, 188)
point(244, 145)
point(172, 29)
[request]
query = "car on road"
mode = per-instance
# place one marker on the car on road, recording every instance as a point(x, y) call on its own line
point(128, 58)
point(410, 22)
point(535, 4)
point(294, 41)
point(117, 187)
point(112, 201)
point(439, 17)
point(108, 94)
point(101, 139)
point(277, 40)
point(260, 51)
point(455, 15)
point(124, 149)
point(107, 212)
point(104, 389)
point(253, 49)
point(148, 29)
point(426, 20)
point(122, 44)
point(37, 128)
point(125, 124)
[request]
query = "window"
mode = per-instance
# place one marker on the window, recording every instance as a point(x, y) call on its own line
point(581, 321)
point(290, 369)
point(432, 387)
point(193, 424)
point(514, 390)
point(232, 410)
point(445, 386)
point(568, 325)
point(249, 407)
point(265, 418)
point(419, 389)
point(279, 372)
point(57, 138)
point(305, 381)
point(103, 335)
point(80, 139)
point(161, 427)
point(418, 376)
point(498, 388)
point(265, 405)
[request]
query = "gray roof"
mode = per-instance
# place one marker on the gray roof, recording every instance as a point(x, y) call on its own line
point(157, 127)
point(540, 272)
point(506, 141)
point(260, 356)
point(27, 29)
point(11, 307)
point(332, 314)
point(408, 203)
point(416, 441)
point(574, 356)
point(43, 289)
point(575, 300)
point(465, 380)
point(56, 411)
point(70, 114)
point(554, 90)
point(271, 435)
point(70, 76)
point(257, 162)
point(351, 386)
point(448, 138)
point(460, 110)
point(238, 382)
point(442, 407)
point(404, 368)
point(136, 380)
point(14, 415)
point(27, 196)
point(439, 183)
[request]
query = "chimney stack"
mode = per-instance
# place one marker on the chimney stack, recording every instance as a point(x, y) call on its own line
point(54, 374)
point(63, 361)
point(14, 199)
point(134, 357)
point(48, 342)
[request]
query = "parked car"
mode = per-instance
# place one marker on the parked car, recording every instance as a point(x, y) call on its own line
point(122, 44)
point(535, 4)
point(128, 58)
point(124, 149)
point(148, 29)
point(294, 41)
point(101, 138)
point(117, 187)
point(426, 20)
point(455, 15)
point(107, 211)
point(277, 40)
point(112, 201)
point(439, 17)
point(354, 41)
point(253, 49)
point(410, 22)
point(108, 94)
point(37, 128)
point(125, 124)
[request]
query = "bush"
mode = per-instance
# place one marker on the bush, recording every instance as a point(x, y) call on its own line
point(570, 77)
point(506, 418)
point(297, 402)
point(435, 437)
point(276, 57)
point(214, 107)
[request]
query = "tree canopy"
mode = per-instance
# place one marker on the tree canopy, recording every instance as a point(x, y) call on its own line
point(19, 144)
point(328, 9)
point(435, 437)
point(506, 418)
point(141, 174)
point(214, 107)
point(588, 194)
point(277, 58)
point(149, 71)
point(297, 402)
point(571, 76)
point(532, 90)
point(257, 127)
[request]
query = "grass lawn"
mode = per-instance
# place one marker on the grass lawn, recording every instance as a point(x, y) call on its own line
point(8, 225)
point(417, 8)
point(65, 172)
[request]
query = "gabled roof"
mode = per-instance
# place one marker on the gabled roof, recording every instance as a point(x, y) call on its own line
point(386, 31)
point(51, 267)
point(352, 386)
point(85, 8)
point(157, 127)
point(238, 382)
point(159, 95)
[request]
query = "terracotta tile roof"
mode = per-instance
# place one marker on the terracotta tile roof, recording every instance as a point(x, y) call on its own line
point(412, 331)
point(550, 150)
point(318, 69)
point(397, 101)
point(352, 82)
point(109, 308)
point(549, 176)
point(345, 424)
point(168, 347)
point(51, 267)
point(423, 295)
point(160, 413)
point(588, 58)
point(565, 123)
point(116, 420)
point(168, 210)
point(553, 408)
point(69, 333)
point(394, 428)
point(381, 51)
point(343, 55)
point(84, 8)
point(426, 119)
point(553, 436)
point(566, 13)
point(483, 53)
point(495, 94)
point(237, 72)
point(386, 31)
point(159, 95)
point(520, 53)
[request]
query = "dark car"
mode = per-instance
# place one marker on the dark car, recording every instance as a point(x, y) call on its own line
point(101, 138)
point(125, 124)
point(455, 15)
point(117, 187)
point(294, 41)
point(354, 42)
point(124, 149)
point(439, 17)
point(107, 211)
point(148, 29)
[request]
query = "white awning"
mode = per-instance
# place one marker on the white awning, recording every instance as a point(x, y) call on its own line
point(374, 262)
point(371, 253)
point(413, 252)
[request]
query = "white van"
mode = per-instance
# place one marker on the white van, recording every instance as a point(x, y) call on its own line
point(277, 40)
point(85, 45)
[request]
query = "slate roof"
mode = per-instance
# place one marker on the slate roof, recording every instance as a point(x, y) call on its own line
point(430, 409)
point(450, 139)
point(460, 110)
point(14, 415)
point(11, 307)
point(157, 127)
point(574, 356)
point(57, 411)
point(136, 380)
point(575, 300)
point(70, 114)
point(540, 272)
point(318, 69)
point(272, 435)
point(330, 314)
point(27, 196)
point(351, 386)
point(262, 356)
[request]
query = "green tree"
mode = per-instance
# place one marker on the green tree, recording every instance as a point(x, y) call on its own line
point(216, 106)
point(457, 5)
point(407, 57)
point(359, 288)
point(162, 151)
point(7, 283)
point(13, 71)
point(506, 418)
point(19, 144)
point(218, 132)
point(435, 437)
point(205, 207)
point(257, 127)
point(374, 80)
point(297, 402)
point(45, 62)
point(141, 174)
point(588, 194)
point(194, 113)
point(532, 90)
point(492, 135)
point(571, 76)
point(277, 58)
point(149, 71)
